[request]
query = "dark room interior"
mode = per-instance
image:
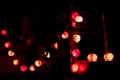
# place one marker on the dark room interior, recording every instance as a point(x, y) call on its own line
point(37, 40)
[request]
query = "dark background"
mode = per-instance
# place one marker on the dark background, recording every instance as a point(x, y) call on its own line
point(44, 13)
point(43, 16)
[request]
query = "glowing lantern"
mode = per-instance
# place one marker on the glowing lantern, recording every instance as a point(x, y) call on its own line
point(48, 55)
point(75, 52)
point(7, 44)
point(79, 67)
point(23, 68)
point(32, 68)
point(65, 35)
point(79, 19)
point(108, 56)
point(76, 38)
point(38, 63)
point(92, 57)
point(11, 53)
point(74, 68)
point(56, 45)
point(3, 32)
point(82, 68)
point(74, 15)
point(15, 62)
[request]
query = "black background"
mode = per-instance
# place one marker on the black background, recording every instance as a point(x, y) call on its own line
point(43, 16)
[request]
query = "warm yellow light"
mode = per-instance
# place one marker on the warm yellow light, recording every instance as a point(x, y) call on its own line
point(108, 56)
point(92, 57)
point(38, 63)
point(32, 68)
point(15, 62)
point(79, 19)
point(48, 55)
point(74, 68)
point(76, 38)
point(10, 53)
point(45, 53)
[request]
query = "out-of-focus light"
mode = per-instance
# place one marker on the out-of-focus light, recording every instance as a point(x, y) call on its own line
point(38, 63)
point(92, 57)
point(55, 45)
point(108, 56)
point(7, 44)
point(74, 68)
point(3, 32)
point(48, 55)
point(79, 19)
point(32, 68)
point(74, 15)
point(79, 67)
point(11, 53)
point(75, 52)
point(76, 38)
point(15, 62)
point(73, 23)
point(65, 35)
point(82, 66)
point(28, 41)
point(45, 52)
point(21, 38)
point(23, 68)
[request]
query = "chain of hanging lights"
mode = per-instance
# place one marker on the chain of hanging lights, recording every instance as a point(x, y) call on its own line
point(78, 66)
point(16, 62)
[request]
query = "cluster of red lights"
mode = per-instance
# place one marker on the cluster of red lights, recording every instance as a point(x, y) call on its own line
point(77, 66)
point(16, 62)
